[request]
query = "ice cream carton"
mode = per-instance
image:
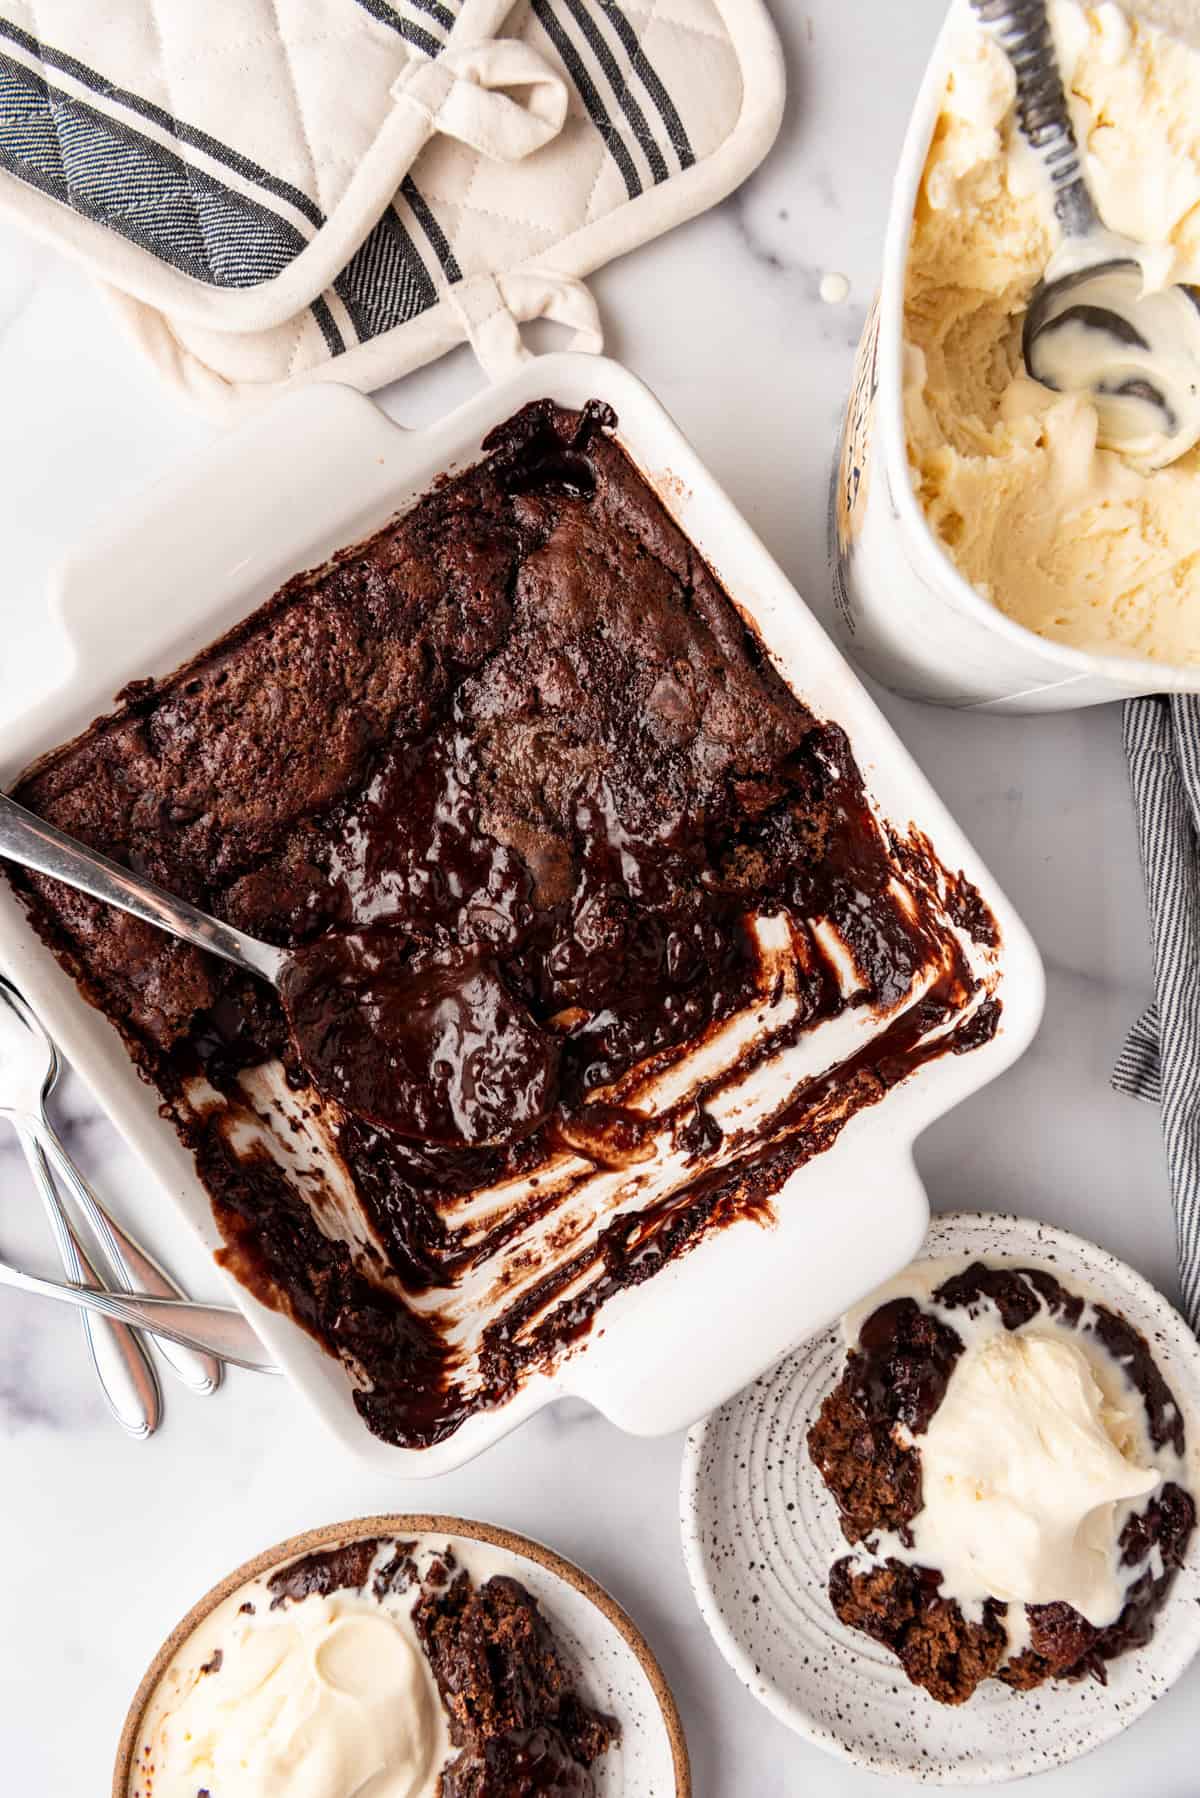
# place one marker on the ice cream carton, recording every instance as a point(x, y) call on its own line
point(905, 613)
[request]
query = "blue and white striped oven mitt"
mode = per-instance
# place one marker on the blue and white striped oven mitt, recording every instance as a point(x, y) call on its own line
point(283, 190)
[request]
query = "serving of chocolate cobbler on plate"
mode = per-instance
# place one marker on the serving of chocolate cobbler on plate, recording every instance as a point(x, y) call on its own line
point(409, 1657)
point(1010, 1469)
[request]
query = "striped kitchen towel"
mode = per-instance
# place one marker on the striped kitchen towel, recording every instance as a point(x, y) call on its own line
point(285, 190)
point(1161, 1058)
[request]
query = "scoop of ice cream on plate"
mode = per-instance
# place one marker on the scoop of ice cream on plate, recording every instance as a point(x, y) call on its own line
point(980, 1484)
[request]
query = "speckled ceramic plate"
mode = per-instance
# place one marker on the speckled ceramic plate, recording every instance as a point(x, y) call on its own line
point(760, 1534)
point(614, 1663)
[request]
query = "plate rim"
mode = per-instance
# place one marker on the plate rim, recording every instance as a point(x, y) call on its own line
point(410, 1523)
point(1182, 1343)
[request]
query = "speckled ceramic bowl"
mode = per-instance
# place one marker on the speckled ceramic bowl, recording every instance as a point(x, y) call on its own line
point(616, 1667)
point(760, 1533)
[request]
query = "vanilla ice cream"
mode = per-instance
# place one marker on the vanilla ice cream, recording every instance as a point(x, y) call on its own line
point(1022, 1468)
point(1070, 540)
point(1032, 1462)
point(328, 1698)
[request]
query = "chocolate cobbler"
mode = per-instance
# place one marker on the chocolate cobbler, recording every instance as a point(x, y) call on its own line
point(540, 819)
point(516, 1720)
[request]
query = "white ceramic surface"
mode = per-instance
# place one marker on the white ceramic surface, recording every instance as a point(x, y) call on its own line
point(906, 614)
point(725, 321)
point(760, 1533)
point(322, 469)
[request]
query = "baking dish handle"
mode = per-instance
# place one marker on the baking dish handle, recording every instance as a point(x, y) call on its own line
point(215, 516)
point(845, 1223)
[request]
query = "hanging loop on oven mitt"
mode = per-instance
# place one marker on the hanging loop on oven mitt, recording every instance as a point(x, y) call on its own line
point(465, 94)
point(492, 309)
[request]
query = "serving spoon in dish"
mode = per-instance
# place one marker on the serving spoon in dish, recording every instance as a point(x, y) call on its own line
point(428, 1041)
point(1091, 325)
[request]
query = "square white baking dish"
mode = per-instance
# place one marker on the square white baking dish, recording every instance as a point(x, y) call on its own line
point(323, 469)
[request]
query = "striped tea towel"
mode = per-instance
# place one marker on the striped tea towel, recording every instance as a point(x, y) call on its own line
point(1161, 1058)
point(283, 190)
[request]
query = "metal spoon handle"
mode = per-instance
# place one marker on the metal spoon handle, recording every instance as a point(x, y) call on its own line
point(1022, 29)
point(213, 1329)
point(126, 1377)
point(27, 839)
point(130, 1267)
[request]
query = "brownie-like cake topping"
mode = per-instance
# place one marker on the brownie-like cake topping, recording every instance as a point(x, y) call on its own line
point(521, 1762)
point(513, 780)
point(894, 1379)
point(514, 1714)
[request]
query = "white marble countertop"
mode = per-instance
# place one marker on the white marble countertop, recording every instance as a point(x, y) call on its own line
point(107, 1541)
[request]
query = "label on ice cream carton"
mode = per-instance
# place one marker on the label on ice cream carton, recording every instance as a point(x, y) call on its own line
point(851, 477)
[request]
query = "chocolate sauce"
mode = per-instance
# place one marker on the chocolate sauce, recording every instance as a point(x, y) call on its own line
point(531, 454)
point(513, 782)
point(534, 1763)
point(427, 1042)
point(326, 1570)
point(398, 1573)
point(902, 1364)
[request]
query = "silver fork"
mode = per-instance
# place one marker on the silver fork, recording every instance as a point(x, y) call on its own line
point(32, 1057)
point(212, 1329)
point(125, 1375)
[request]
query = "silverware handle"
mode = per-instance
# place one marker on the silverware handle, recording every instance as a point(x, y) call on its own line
point(126, 1377)
point(213, 1329)
point(29, 840)
point(130, 1267)
point(1022, 29)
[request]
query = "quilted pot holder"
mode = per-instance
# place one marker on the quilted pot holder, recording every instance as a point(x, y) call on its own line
point(288, 190)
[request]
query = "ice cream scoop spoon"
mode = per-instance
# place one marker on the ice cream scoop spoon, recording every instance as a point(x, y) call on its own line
point(1094, 324)
point(426, 1039)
